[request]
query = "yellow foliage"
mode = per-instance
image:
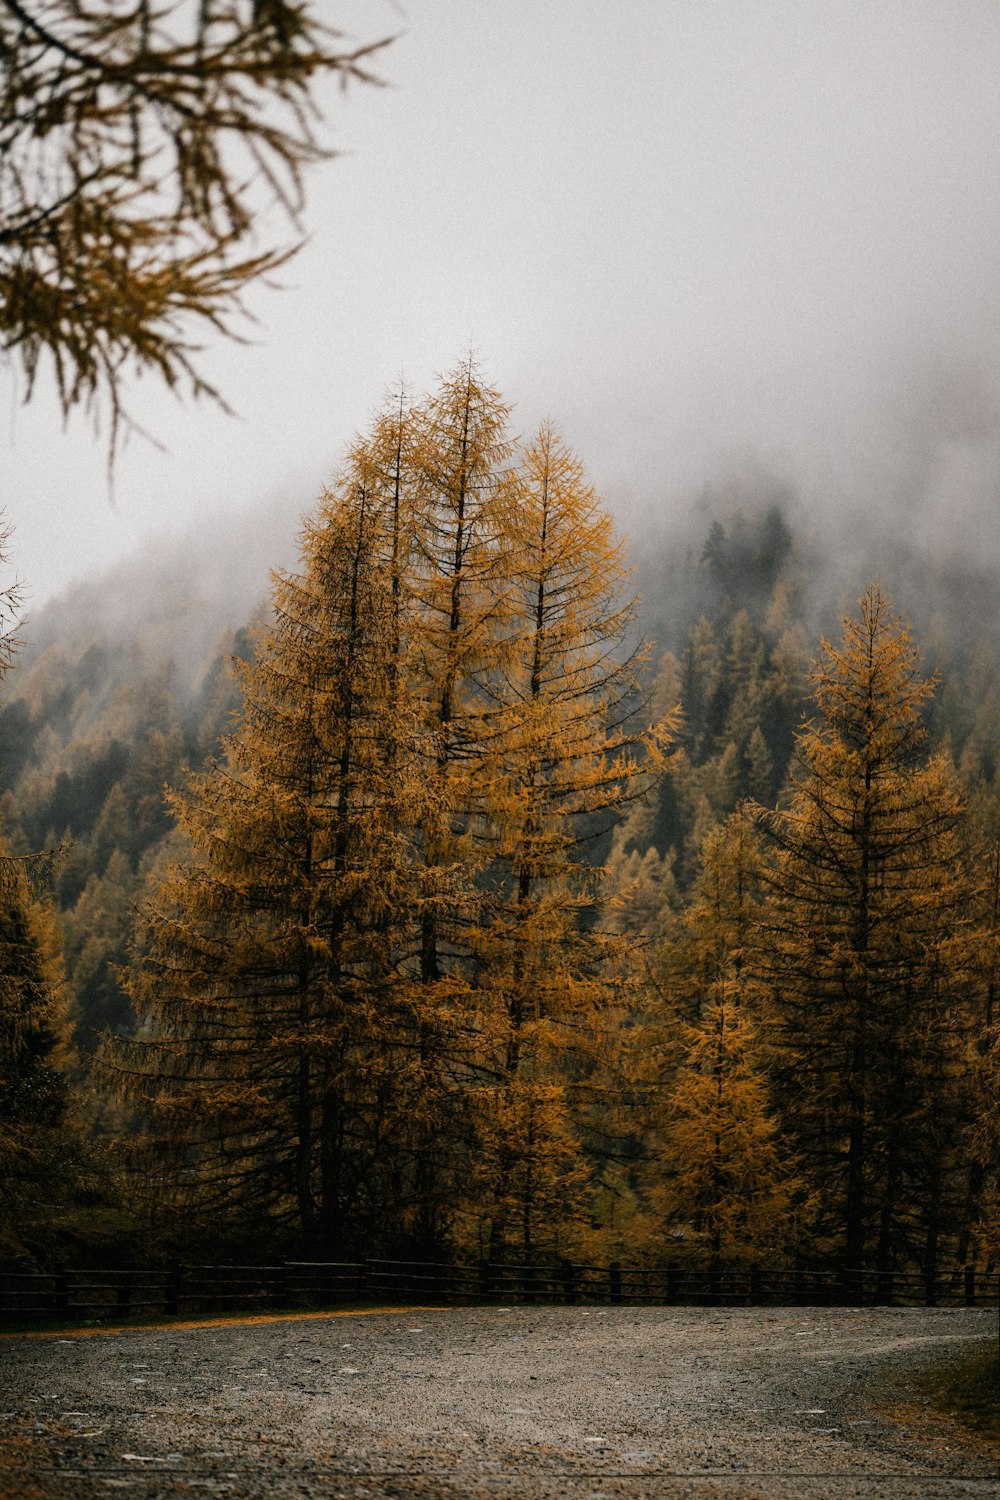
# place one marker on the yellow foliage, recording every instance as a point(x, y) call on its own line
point(383, 937)
point(864, 950)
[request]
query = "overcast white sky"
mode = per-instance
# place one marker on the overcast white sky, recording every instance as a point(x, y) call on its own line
point(697, 233)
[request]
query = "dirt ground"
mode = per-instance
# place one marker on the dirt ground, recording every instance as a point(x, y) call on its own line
point(523, 1403)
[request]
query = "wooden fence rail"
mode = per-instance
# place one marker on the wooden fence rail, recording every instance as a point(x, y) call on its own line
point(184, 1290)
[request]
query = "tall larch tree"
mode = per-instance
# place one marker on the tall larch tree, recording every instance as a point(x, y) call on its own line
point(265, 971)
point(860, 952)
point(36, 1143)
point(460, 601)
point(457, 602)
point(721, 1183)
point(567, 753)
point(980, 1237)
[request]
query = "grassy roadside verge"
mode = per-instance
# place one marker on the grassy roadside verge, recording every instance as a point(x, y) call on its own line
point(967, 1390)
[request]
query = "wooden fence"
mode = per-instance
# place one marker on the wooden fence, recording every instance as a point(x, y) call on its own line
point(182, 1290)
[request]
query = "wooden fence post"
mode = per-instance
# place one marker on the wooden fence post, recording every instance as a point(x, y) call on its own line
point(123, 1294)
point(970, 1286)
point(62, 1292)
point(615, 1280)
point(755, 1286)
point(800, 1284)
point(172, 1290)
point(281, 1286)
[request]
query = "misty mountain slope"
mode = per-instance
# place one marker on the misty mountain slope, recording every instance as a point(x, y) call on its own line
point(174, 597)
point(726, 549)
point(737, 615)
point(96, 724)
point(127, 670)
point(124, 684)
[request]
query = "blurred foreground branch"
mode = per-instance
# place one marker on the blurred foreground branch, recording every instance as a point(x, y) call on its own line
point(138, 141)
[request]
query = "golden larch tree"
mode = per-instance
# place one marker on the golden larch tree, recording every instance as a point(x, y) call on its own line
point(375, 987)
point(567, 754)
point(861, 950)
point(269, 953)
point(722, 1185)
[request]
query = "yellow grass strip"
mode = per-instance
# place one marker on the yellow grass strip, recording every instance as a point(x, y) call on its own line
point(249, 1321)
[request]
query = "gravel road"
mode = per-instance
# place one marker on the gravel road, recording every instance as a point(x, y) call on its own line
point(496, 1404)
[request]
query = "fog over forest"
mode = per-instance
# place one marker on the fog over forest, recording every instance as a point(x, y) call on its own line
point(708, 245)
point(917, 507)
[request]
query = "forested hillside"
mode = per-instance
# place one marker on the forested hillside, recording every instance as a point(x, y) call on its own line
point(473, 926)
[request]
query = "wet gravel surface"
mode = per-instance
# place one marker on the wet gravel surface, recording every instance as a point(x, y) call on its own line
point(533, 1403)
